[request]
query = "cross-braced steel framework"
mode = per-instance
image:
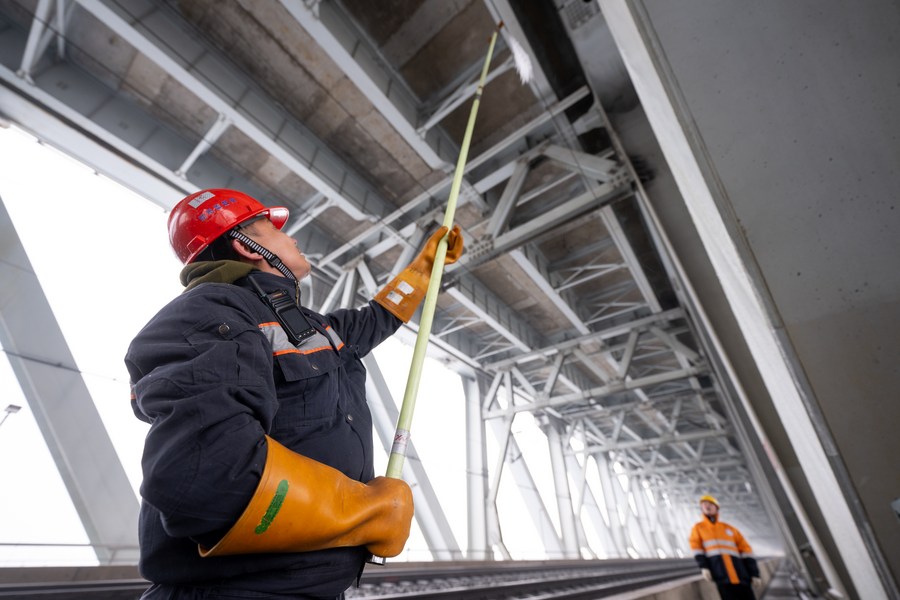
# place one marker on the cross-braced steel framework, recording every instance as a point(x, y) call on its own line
point(567, 305)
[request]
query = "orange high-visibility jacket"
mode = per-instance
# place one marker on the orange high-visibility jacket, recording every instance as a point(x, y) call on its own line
point(722, 549)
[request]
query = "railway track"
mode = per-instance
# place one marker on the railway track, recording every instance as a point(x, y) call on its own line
point(469, 580)
point(519, 580)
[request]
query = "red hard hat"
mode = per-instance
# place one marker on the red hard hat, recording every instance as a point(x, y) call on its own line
point(200, 218)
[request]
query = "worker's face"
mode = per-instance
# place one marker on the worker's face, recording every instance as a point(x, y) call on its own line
point(708, 508)
point(281, 245)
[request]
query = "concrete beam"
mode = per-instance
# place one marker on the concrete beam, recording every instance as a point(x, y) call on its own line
point(316, 165)
point(361, 63)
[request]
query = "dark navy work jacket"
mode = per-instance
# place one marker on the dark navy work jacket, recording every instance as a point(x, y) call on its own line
point(213, 373)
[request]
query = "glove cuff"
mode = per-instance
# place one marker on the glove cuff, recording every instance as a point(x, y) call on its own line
point(301, 505)
point(403, 295)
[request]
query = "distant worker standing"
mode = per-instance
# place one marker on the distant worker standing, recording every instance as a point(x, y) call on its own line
point(723, 555)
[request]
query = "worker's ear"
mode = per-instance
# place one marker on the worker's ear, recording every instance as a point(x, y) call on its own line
point(245, 252)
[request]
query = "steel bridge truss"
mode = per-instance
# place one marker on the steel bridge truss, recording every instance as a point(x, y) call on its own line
point(617, 380)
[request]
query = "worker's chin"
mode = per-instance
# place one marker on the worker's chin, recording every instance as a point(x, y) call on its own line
point(301, 271)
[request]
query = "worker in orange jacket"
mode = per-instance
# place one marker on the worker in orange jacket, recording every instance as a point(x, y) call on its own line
point(723, 555)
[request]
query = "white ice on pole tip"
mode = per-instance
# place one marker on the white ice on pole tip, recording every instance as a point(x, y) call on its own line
point(520, 57)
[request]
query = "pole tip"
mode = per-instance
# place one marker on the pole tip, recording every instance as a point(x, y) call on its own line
point(521, 60)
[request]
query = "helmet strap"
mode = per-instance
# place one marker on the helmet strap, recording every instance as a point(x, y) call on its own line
point(266, 254)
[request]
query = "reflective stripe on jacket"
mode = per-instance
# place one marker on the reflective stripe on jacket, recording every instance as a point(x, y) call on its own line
point(722, 549)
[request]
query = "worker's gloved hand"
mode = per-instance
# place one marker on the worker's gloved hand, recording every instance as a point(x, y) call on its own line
point(390, 530)
point(302, 505)
point(425, 260)
point(707, 574)
point(402, 296)
point(756, 582)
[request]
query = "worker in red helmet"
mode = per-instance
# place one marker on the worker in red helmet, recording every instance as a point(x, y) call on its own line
point(723, 555)
point(258, 464)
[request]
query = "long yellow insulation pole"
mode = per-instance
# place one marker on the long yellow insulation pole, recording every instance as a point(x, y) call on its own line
point(401, 436)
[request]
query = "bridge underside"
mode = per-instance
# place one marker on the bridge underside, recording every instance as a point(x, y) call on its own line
point(618, 286)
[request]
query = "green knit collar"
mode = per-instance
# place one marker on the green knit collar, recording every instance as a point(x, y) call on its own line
point(217, 271)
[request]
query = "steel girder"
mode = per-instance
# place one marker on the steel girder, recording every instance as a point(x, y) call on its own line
point(305, 155)
point(639, 360)
point(272, 129)
point(63, 408)
point(742, 288)
point(429, 514)
point(347, 46)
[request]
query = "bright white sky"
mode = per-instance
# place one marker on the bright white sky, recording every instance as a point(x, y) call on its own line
point(86, 235)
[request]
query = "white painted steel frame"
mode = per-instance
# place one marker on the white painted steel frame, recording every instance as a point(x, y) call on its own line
point(660, 98)
point(63, 407)
point(230, 117)
point(428, 513)
point(589, 165)
point(52, 121)
point(344, 187)
point(516, 335)
point(588, 505)
point(354, 55)
point(564, 505)
point(441, 187)
point(477, 474)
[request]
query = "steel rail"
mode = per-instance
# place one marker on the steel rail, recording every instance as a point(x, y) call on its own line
point(450, 580)
point(544, 580)
point(115, 589)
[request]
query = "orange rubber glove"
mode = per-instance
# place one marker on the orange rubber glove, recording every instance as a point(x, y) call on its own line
point(302, 505)
point(403, 295)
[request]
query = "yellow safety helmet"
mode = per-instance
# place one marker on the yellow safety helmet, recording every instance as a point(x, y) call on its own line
point(708, 498)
